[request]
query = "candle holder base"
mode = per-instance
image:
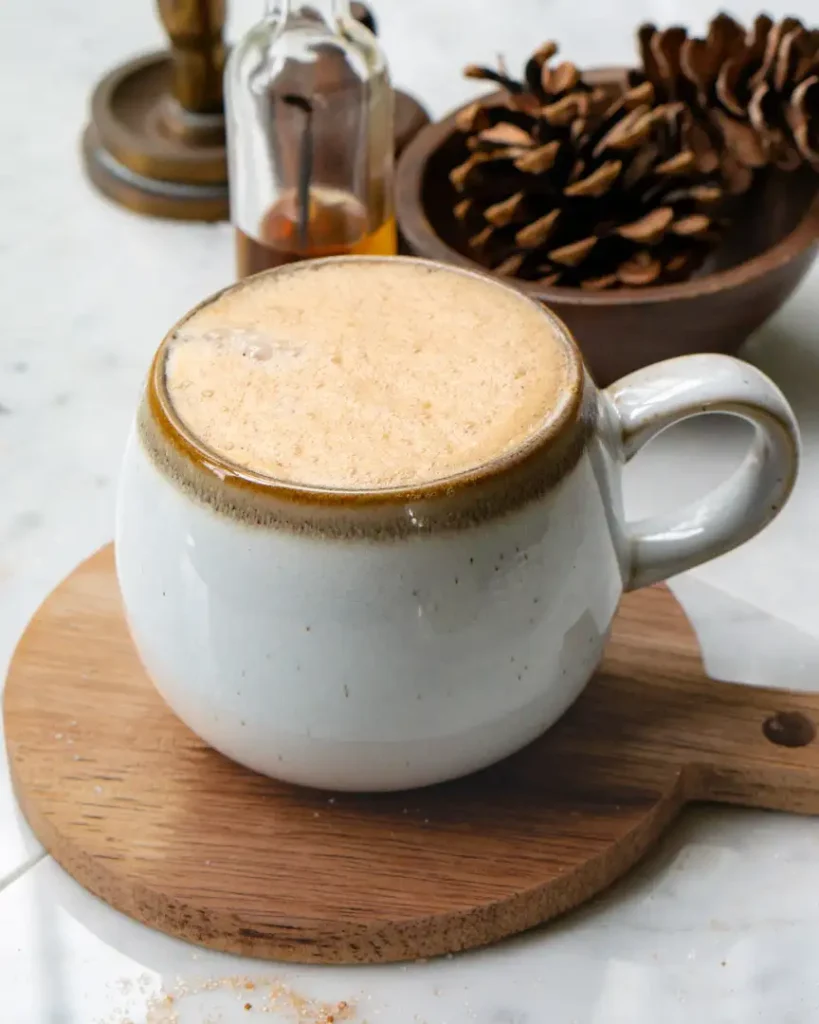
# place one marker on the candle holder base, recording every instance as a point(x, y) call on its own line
point(146, 152)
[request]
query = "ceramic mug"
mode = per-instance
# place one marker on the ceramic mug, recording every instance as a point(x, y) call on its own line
point(396, 638)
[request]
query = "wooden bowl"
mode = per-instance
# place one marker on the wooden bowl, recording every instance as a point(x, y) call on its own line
point(764, 256)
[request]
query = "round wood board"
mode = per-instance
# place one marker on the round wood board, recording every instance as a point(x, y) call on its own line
point(146, 816)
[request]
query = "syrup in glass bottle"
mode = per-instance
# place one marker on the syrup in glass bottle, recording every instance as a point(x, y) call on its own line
point(310, 137)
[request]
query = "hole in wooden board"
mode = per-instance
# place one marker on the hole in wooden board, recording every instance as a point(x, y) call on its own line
point(789, 729)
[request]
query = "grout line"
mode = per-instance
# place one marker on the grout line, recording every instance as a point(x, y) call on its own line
point(27, 865)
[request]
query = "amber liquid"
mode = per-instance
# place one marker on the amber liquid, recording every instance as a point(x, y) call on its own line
point(336, 226)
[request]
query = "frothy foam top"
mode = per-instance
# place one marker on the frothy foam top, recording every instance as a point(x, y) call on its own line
point(359, 375)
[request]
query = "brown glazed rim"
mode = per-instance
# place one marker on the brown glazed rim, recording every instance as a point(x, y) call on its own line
point(422, 236)
point(565, 420)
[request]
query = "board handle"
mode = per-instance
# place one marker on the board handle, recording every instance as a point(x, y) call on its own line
point(755, 746)
point(658, 396)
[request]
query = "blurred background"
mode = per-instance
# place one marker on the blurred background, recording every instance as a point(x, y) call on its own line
point(88, 289)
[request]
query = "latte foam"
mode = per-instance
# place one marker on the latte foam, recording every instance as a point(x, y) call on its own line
point(358, 374)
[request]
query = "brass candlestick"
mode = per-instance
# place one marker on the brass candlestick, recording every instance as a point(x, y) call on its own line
point(155, 142)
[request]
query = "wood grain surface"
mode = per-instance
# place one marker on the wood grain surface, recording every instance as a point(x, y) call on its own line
point(146, 816)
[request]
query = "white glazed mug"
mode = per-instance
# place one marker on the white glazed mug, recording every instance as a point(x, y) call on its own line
point(396, 638)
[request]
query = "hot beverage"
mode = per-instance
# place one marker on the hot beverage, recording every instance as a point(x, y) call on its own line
point(370, 531)
point(365, 375)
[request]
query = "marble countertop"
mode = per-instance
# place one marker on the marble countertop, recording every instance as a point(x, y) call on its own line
point(721, 924)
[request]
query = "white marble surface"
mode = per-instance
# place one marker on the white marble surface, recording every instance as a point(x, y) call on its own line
point(720, 925)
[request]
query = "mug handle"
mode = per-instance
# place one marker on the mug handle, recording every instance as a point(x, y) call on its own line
point(649, 400)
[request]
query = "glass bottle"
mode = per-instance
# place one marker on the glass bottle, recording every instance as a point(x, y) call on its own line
point(310, 137)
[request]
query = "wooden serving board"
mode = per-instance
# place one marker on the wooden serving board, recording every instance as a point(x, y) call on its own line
point(149, 818)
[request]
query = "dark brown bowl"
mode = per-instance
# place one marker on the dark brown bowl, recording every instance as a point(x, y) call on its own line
point(764, 256)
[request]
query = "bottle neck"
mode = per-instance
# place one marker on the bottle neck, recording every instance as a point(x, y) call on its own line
point(328, 11)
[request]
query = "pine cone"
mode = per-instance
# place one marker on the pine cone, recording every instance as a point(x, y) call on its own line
point(754, 94)
point(566, 184)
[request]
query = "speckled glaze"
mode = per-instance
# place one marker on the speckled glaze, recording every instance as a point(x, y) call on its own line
point(387, 639)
